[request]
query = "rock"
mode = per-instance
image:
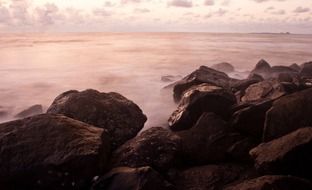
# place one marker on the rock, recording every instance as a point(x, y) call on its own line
point(239, 151)
point(268, 89)
point(123, 178)
point(273, 182)
point(262, 68)
point(276, 70)
point(223, 67)
point(289, 155)
point(288, 114)
point(209, 177)
point(170, 78)
point(208, 141)
point(51, 152)
point(200, 99)
point(202, 75)
point(250, 119)
point(295, 67)
point(3, 112)
point(306, 71)
point(31, 111)
point(156, 147)
point(122, 118)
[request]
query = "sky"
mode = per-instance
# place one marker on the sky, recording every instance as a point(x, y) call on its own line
point(293, 16)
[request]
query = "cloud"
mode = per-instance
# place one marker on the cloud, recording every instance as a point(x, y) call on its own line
point(4, 15)
point(261, 1)
point(137, 10)
point(48, 14)
point(130, 1)
point(302, 10)
point(181, 3)
point(101, 12)
point(279, 12)
point(209, 2)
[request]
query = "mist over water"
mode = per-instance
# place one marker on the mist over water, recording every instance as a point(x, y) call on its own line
point(35, 68)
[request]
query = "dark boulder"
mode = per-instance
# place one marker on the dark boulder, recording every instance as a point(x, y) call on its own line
point(262, 68)
point(249, 120)
point(51, 152)
point(288, 114)
point(209, 141)
point(276, 70)
point(306, 70)
point(200, 99)
point(273, 182)
point(31, 111)
point(288, 155)
point(124, 178)
point(223, 67)
point(156, 147)
point(122, 118)
point(202, 75)
point(209, 177)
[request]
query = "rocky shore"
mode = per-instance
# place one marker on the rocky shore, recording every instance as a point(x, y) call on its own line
point(226, 134)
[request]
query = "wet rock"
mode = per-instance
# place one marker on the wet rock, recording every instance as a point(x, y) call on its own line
point(223, 67)
point(239, 151)
point(276, 70)
point(288, 155)
point(202, 75)
point(239, 87)
point(262, 68)
point(156, 147)
point(208, 141)
point(31, 111)
point(209, 177)
point(273, 182)
point(124, 178)
point(306, 71)
point(249, 120)
point(122, 118)
point(200, 99)
point(295, 67)
point(268, 89)
point(51, 152)
point(288, 114)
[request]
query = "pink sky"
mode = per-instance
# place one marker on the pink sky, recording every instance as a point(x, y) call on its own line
point(156, 16)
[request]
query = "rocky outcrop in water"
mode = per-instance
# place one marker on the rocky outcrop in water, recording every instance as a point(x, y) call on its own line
point(250, 134)
point(31, 111)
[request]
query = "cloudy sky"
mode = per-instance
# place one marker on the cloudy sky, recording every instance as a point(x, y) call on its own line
point(156, 16)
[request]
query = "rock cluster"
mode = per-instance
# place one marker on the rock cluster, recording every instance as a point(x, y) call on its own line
point(250, 134)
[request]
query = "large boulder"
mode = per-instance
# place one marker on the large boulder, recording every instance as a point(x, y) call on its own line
point(288, 114)
point(295, 67)
point(122, 118)
point(200, 99)
point(208, 177)
point(277, 70)
point(249, 120)
point(124, 178)
point(209, 141)
point(51, 152)
point(273, 182)
point(202, 75)
point(156, 147)
point(290, 154)
point(31, 111)
point(223, 67)
point(268, 89)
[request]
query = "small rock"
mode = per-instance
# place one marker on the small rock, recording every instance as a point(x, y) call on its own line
point(273, 182)
point(31, 111)
point(223, 67)
point(170, 78)
point(306, 71)
point(262, 68)
point(124, 178)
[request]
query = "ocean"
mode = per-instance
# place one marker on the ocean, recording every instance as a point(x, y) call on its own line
point(36, 67)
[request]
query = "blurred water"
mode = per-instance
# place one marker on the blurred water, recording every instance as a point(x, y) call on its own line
point(35, 68)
